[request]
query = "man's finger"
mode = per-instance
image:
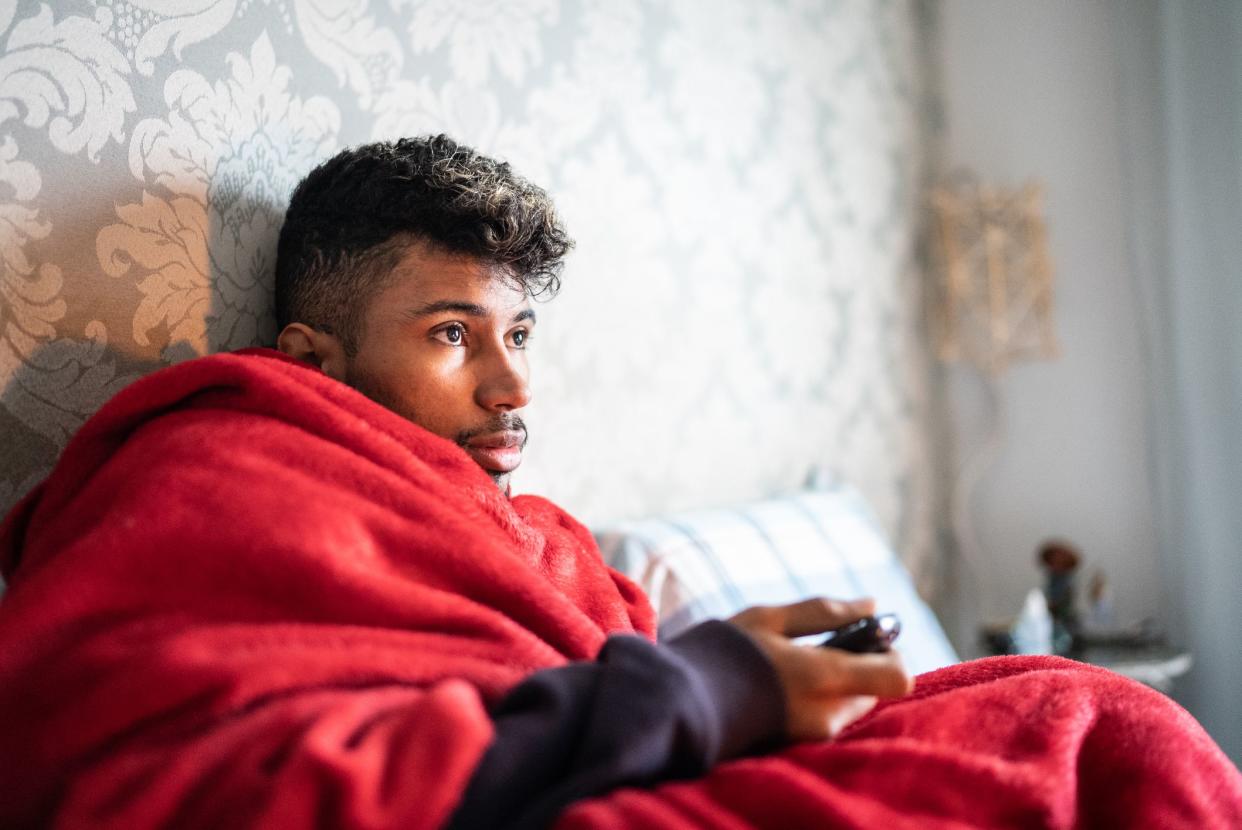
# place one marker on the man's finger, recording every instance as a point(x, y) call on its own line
point(881, 675)
point(846, 711)
point(820, 614)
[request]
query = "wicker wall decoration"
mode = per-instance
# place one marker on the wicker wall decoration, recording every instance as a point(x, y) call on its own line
point(994, 298)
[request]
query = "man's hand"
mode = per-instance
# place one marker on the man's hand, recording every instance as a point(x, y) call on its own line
point(826, 689)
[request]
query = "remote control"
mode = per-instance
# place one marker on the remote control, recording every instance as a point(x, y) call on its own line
point(868, 635)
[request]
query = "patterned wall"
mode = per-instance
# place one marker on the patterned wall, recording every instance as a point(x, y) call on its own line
point(742, 179)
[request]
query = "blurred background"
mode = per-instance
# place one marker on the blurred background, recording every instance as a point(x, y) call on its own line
point(757, 276)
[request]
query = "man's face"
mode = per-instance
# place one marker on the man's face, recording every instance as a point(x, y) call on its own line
point(444, 345)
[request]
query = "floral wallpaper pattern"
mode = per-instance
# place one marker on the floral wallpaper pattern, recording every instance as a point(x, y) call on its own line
point(743, 180)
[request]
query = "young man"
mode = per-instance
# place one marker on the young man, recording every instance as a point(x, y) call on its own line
point(419, 296)
point(250, 596)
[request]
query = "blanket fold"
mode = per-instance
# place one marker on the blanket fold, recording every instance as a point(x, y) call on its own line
point(1002, 742)
point(249, 596)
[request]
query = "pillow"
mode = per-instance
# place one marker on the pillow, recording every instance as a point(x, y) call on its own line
point(714, 563)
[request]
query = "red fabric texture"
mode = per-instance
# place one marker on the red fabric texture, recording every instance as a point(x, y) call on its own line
point(1002, 742)
point(248, 596)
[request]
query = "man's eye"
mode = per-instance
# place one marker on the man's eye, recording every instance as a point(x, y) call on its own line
point(454, 334)
point(520, 337)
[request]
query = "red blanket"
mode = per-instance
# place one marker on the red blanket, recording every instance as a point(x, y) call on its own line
point(248, 595)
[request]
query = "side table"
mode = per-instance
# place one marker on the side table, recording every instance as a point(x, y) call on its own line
point(1156, 665)
point(1142, 657)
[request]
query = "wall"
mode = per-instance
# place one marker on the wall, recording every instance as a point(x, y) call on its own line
point(1030, 91)
point(743, 180)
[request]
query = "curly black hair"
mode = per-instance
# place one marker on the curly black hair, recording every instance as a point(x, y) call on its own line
point(352, 217)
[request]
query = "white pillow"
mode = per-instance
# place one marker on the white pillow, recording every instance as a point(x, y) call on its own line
point(714, 563)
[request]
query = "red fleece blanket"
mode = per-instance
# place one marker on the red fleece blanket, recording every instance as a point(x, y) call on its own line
point(249, 596)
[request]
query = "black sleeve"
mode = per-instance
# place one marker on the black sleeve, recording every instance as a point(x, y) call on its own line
point(639, 714)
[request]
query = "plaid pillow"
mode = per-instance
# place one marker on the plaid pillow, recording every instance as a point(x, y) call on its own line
point(714, 563)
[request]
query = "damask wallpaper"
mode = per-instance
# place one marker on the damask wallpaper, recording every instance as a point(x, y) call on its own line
point(743, 180)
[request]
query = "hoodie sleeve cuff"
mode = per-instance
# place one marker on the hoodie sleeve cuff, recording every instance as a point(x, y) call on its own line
point(742, 690)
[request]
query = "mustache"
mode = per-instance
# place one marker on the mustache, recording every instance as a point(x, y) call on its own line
point(504, 422)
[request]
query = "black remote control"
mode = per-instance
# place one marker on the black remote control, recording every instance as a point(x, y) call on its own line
point(868, 635)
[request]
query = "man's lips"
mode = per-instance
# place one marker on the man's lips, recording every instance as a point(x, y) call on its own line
point(499, 452)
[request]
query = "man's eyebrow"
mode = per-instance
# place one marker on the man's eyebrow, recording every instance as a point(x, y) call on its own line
point(461, 307)
point(440, 306)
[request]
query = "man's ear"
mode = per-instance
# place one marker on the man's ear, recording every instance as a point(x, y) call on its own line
point(318, 348)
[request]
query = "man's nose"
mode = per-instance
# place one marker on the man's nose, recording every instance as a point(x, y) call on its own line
point(504, 385)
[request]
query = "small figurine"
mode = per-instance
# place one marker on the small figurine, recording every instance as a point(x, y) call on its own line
point(1060, 562)
point(1100, 603)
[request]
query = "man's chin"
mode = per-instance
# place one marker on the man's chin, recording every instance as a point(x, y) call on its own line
point(501, 478)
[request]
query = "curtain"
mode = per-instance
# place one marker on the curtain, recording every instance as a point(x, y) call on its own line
point(1180, 81)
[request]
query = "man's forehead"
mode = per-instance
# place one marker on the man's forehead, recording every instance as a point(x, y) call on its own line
point(428, 281)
